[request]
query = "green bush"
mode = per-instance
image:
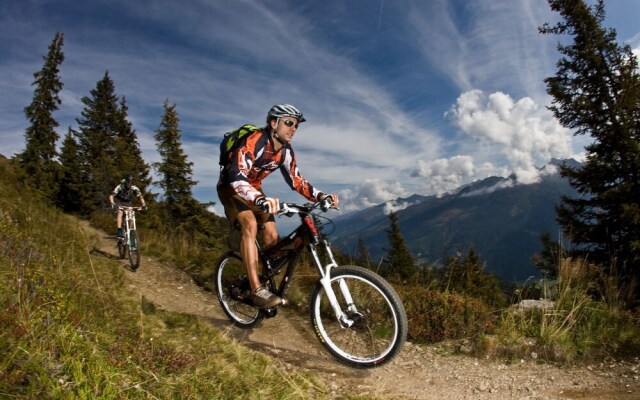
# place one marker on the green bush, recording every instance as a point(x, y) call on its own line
point(436, 316)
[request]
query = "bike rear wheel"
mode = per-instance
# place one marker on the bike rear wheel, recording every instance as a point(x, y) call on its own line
point(234, 292)
point(379, 319)
point(134, 250)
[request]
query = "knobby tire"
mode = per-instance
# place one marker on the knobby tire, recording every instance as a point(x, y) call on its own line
point(134, 249)
point(231, 281)
point(122, 248)
point(380, 327)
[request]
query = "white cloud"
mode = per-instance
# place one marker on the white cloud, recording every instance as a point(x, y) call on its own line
point(522, 134)
point(370, 193)
point(635, 47)
point(214, 210)
point(446, 174)
point(395, 206)
point(500, 185)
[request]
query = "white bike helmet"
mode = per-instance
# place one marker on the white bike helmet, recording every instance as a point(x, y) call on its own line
point(285, 110)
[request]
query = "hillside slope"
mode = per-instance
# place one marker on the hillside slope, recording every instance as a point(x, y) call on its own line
point(420, 372)
point(77, 322)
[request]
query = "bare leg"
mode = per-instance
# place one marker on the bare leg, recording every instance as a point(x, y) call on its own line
point(248, 248)
point(270, 234)
point(119, 219)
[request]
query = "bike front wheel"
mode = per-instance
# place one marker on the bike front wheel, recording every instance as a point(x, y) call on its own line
point(122, 248)
point(134, 249)
point(234, 292)
point(376, 326)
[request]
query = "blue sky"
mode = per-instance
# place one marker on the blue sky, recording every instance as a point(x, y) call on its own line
point(400, 97)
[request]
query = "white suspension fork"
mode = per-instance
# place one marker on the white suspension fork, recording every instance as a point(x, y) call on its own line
point(132, 216)
point(129, 223)
point(126, 225)
point(325, 281)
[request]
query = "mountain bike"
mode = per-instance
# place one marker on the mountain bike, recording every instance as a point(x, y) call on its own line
point(129, 243)
point(356, 314)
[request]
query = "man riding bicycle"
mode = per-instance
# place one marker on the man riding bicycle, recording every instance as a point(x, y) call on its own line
point(122, 195)
point(240, 189)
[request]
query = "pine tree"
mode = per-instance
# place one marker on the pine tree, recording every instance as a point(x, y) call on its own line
point(399, 261)
point(129, 155)
point(364, 258)
point(97, 137)
point(38, 162)
point(175, 170)
point(71, 183)
point(596, 92)
point(466, 275)
point(547, 261)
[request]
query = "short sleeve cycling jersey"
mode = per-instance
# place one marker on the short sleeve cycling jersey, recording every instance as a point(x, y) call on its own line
point(255, 160)
point(126, 195)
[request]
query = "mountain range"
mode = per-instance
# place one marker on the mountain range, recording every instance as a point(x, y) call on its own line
point(502, 219)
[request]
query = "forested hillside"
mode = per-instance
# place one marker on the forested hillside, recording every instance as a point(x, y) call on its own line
point(501, 219)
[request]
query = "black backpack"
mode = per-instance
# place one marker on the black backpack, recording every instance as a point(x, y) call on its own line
point(234, 139)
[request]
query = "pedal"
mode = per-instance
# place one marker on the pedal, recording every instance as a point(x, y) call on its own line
point(269, 312)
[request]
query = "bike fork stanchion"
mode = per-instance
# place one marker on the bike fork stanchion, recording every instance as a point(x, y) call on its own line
point(346, 294)
point(126, 227)
point(325, 281)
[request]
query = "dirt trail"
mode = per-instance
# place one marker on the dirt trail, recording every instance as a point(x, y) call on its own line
point(420, 372)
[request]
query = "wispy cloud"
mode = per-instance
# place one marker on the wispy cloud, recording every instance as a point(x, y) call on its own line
point(372, 192)
point(374, 82)
point(489, 45)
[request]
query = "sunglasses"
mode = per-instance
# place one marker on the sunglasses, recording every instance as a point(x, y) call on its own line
point(290, 123)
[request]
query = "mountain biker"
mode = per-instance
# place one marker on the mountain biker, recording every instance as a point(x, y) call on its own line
point(122, 195)
point(240, 189)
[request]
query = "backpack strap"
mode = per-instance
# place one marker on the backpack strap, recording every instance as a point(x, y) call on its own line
point(233, 140)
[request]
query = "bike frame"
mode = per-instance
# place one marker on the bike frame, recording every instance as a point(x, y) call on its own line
point(289, 249)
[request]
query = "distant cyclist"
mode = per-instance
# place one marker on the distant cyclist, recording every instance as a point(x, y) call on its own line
point(123, 195)
point(240, 189)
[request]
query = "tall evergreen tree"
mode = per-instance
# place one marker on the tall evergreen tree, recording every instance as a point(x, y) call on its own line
point(466, 275)
point(175, 170)
point(99, 128)
point(399, 261)
point(71, 183)
point(38, 159)
point(364, 258)
point(547, 261)
point(596, 92)
point(129, 155)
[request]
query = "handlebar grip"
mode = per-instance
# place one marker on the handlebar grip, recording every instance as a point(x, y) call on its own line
point(326, 203)
point(263, 204)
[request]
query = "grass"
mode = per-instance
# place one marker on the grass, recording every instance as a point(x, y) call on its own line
point(70, 330)
point(579, 326)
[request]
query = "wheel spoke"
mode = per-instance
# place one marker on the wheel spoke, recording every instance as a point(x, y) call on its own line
point(378, 320)
point(231, 285)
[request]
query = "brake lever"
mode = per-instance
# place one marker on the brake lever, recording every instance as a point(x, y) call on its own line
point(326, 205)
point(285, 210)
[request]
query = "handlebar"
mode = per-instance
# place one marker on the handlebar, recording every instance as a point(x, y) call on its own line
point(124, 208)
point(289, 209)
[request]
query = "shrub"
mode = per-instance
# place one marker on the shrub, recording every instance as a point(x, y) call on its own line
point(579, 324)
point(435, 316)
